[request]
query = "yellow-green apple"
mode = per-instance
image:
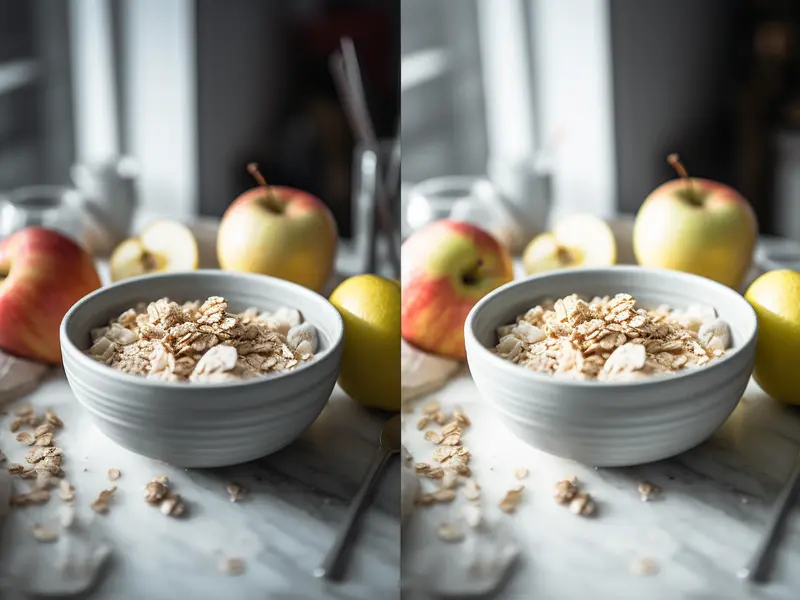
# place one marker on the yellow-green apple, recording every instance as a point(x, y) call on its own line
point(698, 226)
point(161, 246)
point(279, 231)
point(580, 240)
point(44, 274)
point(775, 296)
point(447, 266)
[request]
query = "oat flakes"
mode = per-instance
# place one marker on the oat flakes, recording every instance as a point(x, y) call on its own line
point(612, 338)
point(203, 342)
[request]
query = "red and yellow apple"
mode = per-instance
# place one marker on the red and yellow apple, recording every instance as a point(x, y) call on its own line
point(447, 266)
point(279, 231)
point(45, 273)
point(697, 226)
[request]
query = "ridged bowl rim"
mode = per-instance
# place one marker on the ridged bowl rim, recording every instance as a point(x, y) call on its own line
point(68, 348)
point(505, 367)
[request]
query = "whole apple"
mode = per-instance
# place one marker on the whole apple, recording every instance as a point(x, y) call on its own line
point(279, 231)
point(447, 266)
point(45, 274)
point(697, 226)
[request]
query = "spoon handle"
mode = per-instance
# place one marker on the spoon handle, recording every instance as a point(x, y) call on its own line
point(331, 567)
point(756, 569)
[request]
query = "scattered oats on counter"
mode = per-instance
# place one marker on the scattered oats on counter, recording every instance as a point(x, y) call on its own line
point(203, 342)
point(157, 493)
point(612, 339)
point(450, 532)
point(45, 533)
point(582, 504)
point(231, 566)
point(101, 504)
point(647, 490)
point(235, 491)
point(567, 492)
point(512, 498)
point(644, 566)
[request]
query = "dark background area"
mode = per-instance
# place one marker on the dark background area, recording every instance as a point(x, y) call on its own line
point(264, 93)
point(717, 81)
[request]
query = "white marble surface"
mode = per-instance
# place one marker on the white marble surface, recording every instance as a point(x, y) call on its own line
point(281, 529)
point(702, 528)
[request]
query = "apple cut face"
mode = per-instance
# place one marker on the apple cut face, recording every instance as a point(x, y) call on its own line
point(161, 247)
point(577, 241)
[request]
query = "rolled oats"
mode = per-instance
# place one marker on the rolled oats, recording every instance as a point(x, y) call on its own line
point(644, 566)
point(647, 490)
point(433, 436)
point(154, 492)
point(53, 419)
point(44, 440)
point(172, 505)
point(26, 437)
point(473, 515)
point(101, 504)
point(113, 474)
point(203, 342)
point(235, 491)
point(512, 498)
point(426, 470)
point(45, 533)
point(582, 504)
point(231, 566)
point(65, 491)
point(565, 491)
point(450, 532)
point(472, 491)
point(612, 338)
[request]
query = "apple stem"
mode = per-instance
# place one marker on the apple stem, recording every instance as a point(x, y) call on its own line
point(274, 203)
point(252, 168)
point(675, 162)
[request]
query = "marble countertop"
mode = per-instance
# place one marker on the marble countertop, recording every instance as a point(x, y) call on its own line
point(282, 528)
point(703, 526)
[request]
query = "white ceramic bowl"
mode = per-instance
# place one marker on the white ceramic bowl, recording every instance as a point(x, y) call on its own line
point(609, 424)
point(202, 425)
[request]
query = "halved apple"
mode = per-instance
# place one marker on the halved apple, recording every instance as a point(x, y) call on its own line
point(578, 241)
point(161, 246)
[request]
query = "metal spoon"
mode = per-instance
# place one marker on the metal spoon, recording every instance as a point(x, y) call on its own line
point(756, 569)
point(331, 567)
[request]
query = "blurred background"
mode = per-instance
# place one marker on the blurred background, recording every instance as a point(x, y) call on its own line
point(162, 104)
point(573, 106)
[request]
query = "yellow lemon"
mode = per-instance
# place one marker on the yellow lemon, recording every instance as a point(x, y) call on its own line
point(370, 309)
point(775, 296)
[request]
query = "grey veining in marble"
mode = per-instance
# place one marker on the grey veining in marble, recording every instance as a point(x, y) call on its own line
point(281, 529)
point(704, 525)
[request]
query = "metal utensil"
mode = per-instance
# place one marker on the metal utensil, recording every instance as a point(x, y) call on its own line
point(756, 570)
point(331, 567)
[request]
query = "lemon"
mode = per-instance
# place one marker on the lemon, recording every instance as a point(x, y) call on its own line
point(370, 370)
point(775, 296)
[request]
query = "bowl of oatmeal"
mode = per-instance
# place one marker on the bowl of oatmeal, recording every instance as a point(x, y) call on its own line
point(612, 366)
point(202, 368)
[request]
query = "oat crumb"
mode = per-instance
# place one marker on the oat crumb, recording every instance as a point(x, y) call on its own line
point(512, 498)
point(231, 566)
point(235, 491)
point(45, 533)
point(450, 532)
point(644, 566)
